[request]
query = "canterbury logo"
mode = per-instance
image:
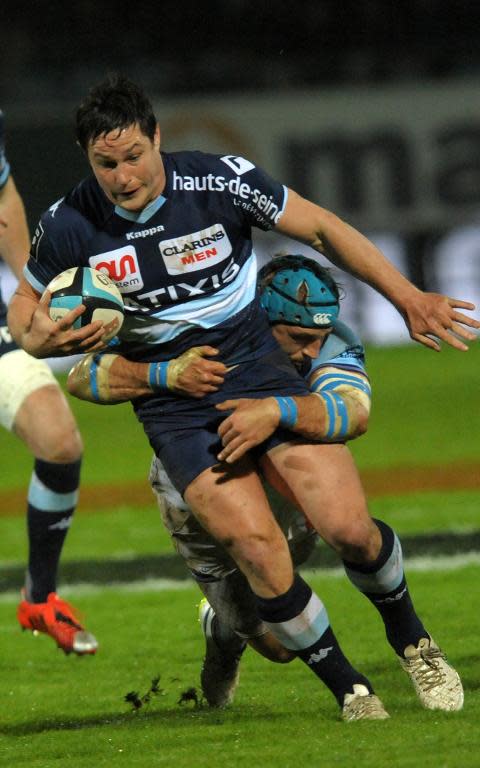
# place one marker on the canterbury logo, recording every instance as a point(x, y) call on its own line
point(320, 656)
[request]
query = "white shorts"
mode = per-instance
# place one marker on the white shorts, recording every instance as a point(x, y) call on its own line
point(20, 375)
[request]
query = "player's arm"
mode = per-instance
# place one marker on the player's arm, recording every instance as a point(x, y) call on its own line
point(337, 410)
point(426, 315)
point(14, 237)
point(108, 378)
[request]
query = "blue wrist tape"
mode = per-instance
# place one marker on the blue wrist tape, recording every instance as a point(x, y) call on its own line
point(157, 376)
point(288, 411)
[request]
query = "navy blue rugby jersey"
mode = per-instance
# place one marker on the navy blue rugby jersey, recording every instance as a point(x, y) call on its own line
point(185, 264)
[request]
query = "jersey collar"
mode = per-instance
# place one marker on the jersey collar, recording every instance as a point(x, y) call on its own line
point(142, 216)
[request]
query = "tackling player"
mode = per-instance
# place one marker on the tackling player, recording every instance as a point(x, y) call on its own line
point(331, 358)
point(33, 407)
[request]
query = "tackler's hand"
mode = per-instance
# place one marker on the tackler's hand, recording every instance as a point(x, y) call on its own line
point(251, 422)
point(191, 374)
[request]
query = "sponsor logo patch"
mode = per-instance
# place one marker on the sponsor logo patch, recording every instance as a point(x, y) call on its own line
point(189, 253)
point(121, 265)
point(252, 200)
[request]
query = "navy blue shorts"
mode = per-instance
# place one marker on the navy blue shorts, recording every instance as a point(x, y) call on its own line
point(183, 431)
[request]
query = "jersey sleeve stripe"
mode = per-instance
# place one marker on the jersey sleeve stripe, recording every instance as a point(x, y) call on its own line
point(331, 411)
point(342, 412)
point(332, 381)
point(36, 284)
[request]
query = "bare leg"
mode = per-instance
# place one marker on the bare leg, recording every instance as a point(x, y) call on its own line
point(235, 511)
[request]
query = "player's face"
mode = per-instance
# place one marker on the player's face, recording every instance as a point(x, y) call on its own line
point(128, 166)
point(299, 342)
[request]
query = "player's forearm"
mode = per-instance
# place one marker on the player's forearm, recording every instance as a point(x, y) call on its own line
point(326, 417)
point(108, 379)
point(351, 251)
point(346, 247)
point(20, 314)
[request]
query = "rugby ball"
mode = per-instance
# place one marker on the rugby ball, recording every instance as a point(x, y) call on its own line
point(94, 289)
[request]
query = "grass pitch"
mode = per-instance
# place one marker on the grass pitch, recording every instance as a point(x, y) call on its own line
point(68, 710)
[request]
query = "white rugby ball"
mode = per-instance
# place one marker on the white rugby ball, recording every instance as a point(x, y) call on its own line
point(94, 289)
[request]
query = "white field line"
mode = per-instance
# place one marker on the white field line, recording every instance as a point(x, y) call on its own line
point(422, 564)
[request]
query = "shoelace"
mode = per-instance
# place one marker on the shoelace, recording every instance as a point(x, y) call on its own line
point(364, 705)
point(427, 670)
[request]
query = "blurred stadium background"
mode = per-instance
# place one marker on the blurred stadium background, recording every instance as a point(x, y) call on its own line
point(370, 108)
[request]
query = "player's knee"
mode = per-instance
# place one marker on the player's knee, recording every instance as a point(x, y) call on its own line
point(63, 445)
point(357, 541)
point(255, 551)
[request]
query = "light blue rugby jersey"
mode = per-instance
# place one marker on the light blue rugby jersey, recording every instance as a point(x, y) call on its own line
point(342, 350)
point(185, 265)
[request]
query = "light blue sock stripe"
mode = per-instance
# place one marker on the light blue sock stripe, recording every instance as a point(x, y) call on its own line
point(46, 500)
point(331, 412)
point(386, 580)
point(296, 640)
point(342, 412)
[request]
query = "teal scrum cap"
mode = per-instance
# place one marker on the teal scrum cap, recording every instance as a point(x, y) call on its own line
point(296, 290)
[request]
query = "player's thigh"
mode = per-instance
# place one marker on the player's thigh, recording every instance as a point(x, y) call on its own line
point(20, 376)
point(33, 406)
point(232, 503)
point(324, 482)
point(233, 507)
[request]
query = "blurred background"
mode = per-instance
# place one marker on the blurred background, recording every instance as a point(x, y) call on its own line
point(371, 109)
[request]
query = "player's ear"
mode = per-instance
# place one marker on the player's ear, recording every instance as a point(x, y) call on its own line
point(156, 137)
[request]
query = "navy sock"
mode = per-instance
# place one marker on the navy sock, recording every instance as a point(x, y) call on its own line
point(52, 498)
point(384, 583)
point(299, 620)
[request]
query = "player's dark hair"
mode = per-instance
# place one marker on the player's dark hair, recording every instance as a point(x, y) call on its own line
point(114, 104)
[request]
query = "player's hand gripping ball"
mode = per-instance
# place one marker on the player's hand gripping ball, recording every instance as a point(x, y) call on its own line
point(94, 289)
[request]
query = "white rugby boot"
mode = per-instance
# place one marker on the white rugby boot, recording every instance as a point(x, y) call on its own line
point(363, 705)
point(437, 684)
